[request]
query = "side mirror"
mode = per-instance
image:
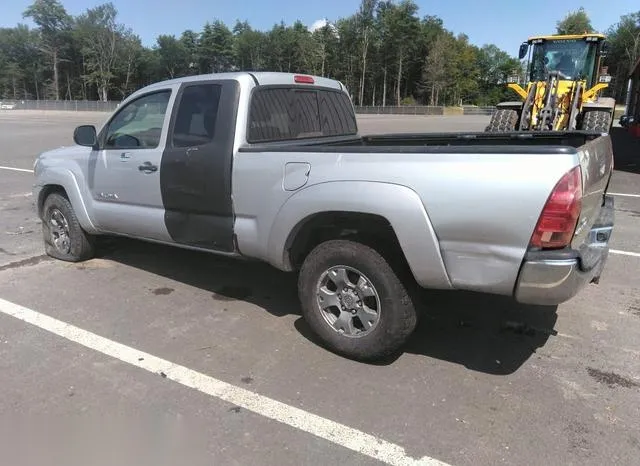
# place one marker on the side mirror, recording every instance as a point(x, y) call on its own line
point(524, 48)
point(604, 49)
point(85, 135)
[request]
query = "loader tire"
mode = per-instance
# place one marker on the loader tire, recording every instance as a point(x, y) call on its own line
point(503, 120)
point(596, 120)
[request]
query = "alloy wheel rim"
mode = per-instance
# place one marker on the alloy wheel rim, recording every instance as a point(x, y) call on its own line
point(348, 301)
point(59, 231)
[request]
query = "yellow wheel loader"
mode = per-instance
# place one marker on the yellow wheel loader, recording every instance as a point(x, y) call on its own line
point(565, 80)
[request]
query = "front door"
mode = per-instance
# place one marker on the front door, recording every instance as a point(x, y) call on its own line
point(125, 177)
point(195, 174)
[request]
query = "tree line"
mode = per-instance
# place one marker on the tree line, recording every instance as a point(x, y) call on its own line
point(385, 53)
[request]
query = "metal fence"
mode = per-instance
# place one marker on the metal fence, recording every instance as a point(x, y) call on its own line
point(478, 110)
point(95, 106)
point(424, 110)
point(400, 110)
point(63, 105)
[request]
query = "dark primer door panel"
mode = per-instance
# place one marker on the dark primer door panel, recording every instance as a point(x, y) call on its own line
point(195, 174)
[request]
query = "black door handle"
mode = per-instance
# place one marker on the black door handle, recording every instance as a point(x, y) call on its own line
point(147, 167)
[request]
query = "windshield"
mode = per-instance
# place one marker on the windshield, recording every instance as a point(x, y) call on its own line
point(573, 57)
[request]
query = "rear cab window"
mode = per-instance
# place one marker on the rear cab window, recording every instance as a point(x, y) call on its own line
point(292, 113)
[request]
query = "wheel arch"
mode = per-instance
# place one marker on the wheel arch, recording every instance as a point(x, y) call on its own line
point(64, 182)
point(373, 230)
point(394, 209)
point(45, 192)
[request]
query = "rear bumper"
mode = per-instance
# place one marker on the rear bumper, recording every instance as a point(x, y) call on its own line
point(553, 277)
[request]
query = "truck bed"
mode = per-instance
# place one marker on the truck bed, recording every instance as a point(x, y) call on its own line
point(460, 142)
point(483, 201)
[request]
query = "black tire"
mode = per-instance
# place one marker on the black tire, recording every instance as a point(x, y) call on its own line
point(396, 318)
point(596, 120)
point(79, 246)
point(503, 120)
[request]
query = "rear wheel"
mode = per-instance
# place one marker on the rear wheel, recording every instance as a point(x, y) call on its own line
point(596, 120)
point(503, 120)
point(63, 236)
point(354, 301)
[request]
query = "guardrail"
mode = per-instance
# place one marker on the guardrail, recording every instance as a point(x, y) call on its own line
point(62, 105)
point(424, 110)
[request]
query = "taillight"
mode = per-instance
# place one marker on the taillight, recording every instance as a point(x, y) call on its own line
point(557, 222)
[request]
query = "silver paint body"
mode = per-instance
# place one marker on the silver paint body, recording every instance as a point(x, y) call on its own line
point(463, 220)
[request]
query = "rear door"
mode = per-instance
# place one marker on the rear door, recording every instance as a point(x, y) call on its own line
point(124, 174)
point(195, 172)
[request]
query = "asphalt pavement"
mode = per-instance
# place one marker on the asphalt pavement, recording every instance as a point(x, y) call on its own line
point(154, 355)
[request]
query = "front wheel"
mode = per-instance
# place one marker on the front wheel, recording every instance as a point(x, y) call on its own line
point(63, 236)
point(354, 301)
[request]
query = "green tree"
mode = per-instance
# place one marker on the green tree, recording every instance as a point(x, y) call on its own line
point(400, 27)
point(248, 47)
point(215, 48)
point(624, 40)
point(383, 52)
point(106, 45)
point(434, 73)
point(366, 29)
point(576, 22)
point(129, 50)
point(53, 21)
point(347, 53)
point(326, 43)
point(173, 55)
point(20, 59)
point(189, 40)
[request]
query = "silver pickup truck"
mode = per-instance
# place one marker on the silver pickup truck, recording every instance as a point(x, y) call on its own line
point(271, 166)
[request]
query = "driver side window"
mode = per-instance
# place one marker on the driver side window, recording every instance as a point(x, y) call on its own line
point(138, 125)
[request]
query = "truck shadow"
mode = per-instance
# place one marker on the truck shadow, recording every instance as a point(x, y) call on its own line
point(227, 279)
point(626, 150)
point(484, 333)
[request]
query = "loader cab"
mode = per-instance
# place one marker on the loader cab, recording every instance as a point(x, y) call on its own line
point(576, 56)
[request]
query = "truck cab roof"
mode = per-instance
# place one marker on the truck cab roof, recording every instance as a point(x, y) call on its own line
point(259, 78)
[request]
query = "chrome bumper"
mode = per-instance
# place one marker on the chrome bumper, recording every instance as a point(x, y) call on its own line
point(553, 277)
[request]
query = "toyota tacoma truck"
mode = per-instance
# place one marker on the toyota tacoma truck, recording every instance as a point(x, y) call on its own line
point(272, 167)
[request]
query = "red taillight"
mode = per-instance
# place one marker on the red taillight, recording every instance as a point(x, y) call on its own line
point(303, 79)
point(560, 214)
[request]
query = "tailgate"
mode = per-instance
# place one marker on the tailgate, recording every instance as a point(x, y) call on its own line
point(596, 160)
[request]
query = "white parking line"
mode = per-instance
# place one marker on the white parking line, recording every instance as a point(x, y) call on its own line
point(624, 253)
point(16, 169)
point(624, 195)
point(334, 432)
